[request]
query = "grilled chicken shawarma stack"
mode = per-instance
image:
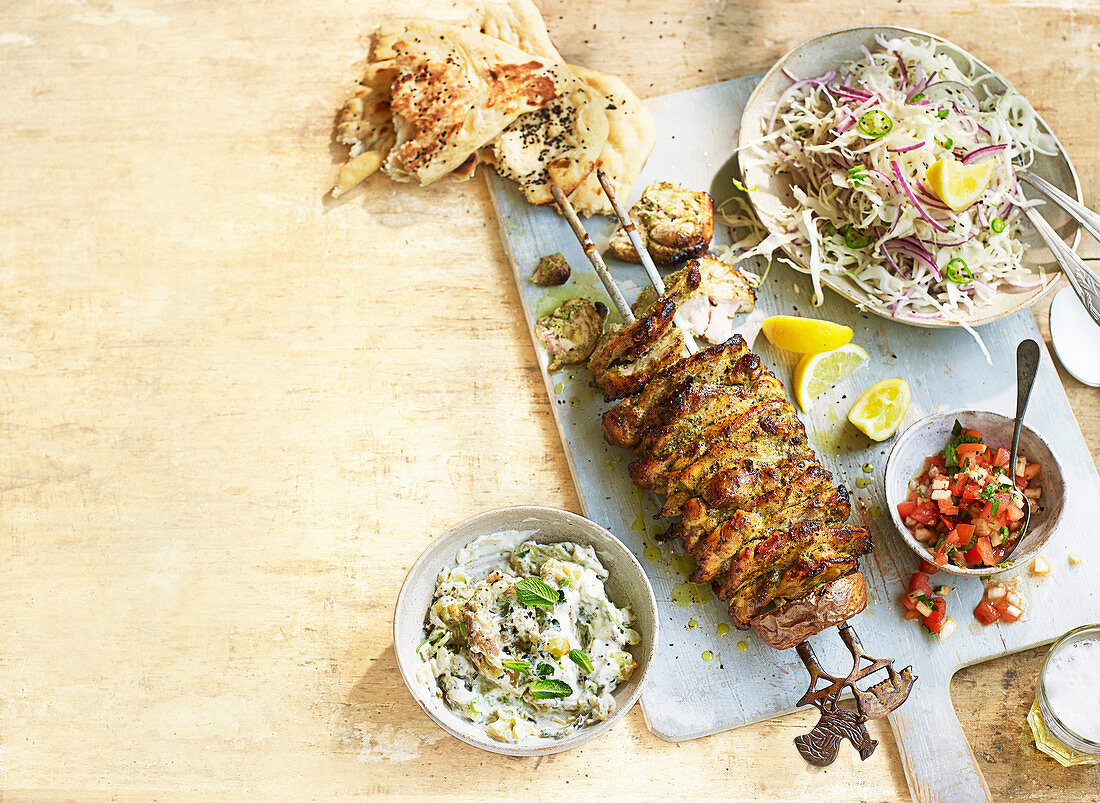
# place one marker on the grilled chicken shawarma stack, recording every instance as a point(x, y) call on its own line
point(716, 436)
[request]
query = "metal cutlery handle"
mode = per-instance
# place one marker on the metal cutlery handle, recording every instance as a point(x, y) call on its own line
point(1088, 219)
point(1085, 283)
point(1027, 365)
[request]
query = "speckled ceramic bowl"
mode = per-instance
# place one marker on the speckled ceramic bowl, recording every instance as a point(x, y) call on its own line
point(930, 435)
point(827, 51)
point(626, 585)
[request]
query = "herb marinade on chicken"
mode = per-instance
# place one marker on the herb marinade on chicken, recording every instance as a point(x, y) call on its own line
point(716, 436)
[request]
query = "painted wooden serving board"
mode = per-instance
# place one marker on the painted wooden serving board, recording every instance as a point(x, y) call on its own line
point(710, 677)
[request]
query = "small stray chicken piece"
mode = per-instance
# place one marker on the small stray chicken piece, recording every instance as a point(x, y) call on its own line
point(552, 270)
point(570, 332)
point(675, 224)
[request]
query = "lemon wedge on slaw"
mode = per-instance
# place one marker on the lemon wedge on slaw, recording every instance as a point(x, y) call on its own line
point(959, 185)
point(879, 411)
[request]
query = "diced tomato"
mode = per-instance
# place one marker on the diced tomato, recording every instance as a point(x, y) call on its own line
point(925, 512)
point(1001, 458)
point(934, 620)
point(928, 568)
point(987, 510)
point(940, 557)
point(981, 554)
point(972, 491)
point(906, 508)
point(960, 484)
point(1012, 512)
point(939, 461)
point(964, 449)
point(972, 433)
point(965, 533)
point(920, 584)
point(946, 508)
point(986, 613)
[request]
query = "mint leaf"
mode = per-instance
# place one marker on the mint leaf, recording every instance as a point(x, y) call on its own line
point(533, 592)
point(958, 428)
point(581, 660)
point(523, 667)
point(545, 670)
point(547, 689)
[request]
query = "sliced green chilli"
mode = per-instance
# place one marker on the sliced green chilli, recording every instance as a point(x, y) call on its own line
point(876, 123)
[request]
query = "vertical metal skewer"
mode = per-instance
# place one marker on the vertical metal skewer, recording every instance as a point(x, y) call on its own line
point(643, 254)
point(593, 254)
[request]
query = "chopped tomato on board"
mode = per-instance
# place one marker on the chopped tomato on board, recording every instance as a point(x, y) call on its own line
point(986, 613)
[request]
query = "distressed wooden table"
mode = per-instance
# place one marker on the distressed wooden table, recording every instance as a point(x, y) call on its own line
point(233, 413)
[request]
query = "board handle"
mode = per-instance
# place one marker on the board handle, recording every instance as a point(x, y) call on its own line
point(939, 764)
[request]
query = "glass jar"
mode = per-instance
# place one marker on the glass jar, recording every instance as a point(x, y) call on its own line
point(1052, 735)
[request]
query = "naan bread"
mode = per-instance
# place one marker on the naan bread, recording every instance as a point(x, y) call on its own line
point(365, 124)
point(556, 145)
point(630, 140)
point(559, 143)
point(456, 91)
point(517, 22)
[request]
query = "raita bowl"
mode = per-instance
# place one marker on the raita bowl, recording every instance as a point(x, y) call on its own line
point(626, 585)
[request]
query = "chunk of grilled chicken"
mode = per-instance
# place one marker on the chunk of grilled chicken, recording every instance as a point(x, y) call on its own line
point(724, 548)
point(625, 359)
point(808, 573)
point(707, 292)
point(766, 432)
point(674, 223)
point(801, 478)
point(623, 424)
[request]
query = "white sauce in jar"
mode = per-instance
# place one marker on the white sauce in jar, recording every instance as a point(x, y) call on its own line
point(1071, 681)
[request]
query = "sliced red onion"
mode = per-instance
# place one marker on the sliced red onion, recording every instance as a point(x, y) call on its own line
point(981, 153)
point(789, 91)
point(981, 217)
point(916, 254)
point(912, 197)
point(904, 72)
point(963, 88)
point(897, 268)
point(907, 148)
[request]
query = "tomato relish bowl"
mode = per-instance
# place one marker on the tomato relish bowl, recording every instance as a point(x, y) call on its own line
point(929, 436)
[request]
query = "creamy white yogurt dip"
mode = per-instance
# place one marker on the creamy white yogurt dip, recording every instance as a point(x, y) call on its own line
point(522, 639)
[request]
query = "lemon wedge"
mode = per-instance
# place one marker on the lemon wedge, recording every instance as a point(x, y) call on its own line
point(805, 335)
point(879, 411)
point(959, 185)
point(816, 373)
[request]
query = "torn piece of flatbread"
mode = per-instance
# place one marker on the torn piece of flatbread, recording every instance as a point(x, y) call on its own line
point(556, 145)
point(630, 140)
point(365, 125)
point(455, 92)
point(517, 22)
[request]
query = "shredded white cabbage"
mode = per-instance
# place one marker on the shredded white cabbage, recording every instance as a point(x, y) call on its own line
point(863, 205)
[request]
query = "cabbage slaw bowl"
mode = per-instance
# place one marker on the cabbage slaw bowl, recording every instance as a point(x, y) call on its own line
point(773, 195)
point(626, 585)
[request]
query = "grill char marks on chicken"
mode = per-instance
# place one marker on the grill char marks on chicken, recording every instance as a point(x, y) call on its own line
point(715, 434)
point(707, 292)
point(625, 360)
point(623, 424)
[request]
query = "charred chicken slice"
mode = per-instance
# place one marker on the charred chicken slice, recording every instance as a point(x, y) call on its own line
point(707, 292)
